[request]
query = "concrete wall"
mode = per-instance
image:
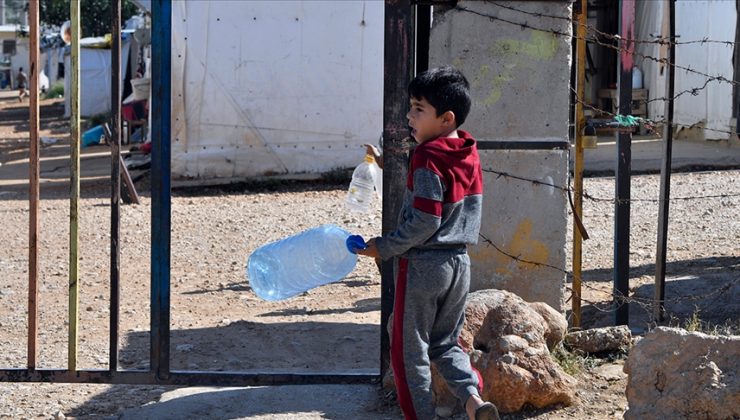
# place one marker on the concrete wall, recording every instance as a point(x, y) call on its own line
point(520, 84)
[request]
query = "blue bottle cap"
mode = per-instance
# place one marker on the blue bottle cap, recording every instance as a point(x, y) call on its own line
point(355, 242)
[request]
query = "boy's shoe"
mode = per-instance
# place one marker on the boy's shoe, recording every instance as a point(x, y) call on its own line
point(487, 411)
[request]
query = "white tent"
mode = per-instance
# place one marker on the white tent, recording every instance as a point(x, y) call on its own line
point(711, 107)
point(95, 77)
point(262, 88)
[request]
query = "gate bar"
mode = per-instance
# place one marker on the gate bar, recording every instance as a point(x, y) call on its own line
point(580, 123)
point(397, 73)
point(624, 163)
point(74, 182)
point(185, 378)
point(161, 218)
point(115, 177)
point(665, 171)
point(33, 177)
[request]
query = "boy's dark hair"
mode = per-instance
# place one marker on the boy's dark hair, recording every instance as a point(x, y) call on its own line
point(446, 89)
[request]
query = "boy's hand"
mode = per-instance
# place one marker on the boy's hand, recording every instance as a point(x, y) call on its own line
point(370, 251)
point(375, 153)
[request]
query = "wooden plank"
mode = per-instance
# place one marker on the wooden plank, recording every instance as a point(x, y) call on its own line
point(133, 196)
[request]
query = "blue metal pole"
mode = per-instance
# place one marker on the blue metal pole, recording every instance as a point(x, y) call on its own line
point(161, 218)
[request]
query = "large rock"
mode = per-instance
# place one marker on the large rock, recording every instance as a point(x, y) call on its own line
point(599, 340)
point(556, 326)
point(677, 374)
point(506, 338)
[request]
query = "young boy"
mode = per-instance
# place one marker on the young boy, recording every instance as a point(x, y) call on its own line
point(440, 217)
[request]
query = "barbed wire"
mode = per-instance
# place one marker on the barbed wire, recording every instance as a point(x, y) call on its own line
point(643, 302)
point(693, 91)
point(648, 121)
point(659, 40)
point(618, 297)
point(517, 258)
point(665, 61)
point(604, 199)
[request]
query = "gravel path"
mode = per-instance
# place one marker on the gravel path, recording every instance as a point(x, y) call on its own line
point(218, 323)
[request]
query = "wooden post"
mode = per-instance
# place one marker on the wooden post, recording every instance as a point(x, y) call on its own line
point(115, 178)
point(398, 69)
point(74, 182)
point(578, 170)
point(665, 171)
point(33, 177)
point(624, 162)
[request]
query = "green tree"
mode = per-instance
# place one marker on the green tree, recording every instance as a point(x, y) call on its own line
point(15, 11)
point(95, 15)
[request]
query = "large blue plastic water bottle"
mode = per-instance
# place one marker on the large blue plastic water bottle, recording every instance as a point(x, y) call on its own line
point(293, 265)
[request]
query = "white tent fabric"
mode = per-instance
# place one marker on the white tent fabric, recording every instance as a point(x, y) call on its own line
point(262, 88)
point(711, 107)
point(95, 77)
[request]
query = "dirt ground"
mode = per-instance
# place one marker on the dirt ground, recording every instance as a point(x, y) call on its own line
point(219, 324)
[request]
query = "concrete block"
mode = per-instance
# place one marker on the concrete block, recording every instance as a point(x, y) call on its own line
point(524, 220)
point(520, 83)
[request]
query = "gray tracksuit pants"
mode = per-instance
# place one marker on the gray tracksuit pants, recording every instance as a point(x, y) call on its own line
point(428, 315)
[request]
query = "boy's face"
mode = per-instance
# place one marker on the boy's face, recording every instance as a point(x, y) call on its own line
point(424, 122)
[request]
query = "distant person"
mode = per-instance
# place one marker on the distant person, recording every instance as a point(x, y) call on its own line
point(22, 84)
point(441, 216)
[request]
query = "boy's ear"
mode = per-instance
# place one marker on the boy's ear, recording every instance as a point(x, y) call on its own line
point(448, 118)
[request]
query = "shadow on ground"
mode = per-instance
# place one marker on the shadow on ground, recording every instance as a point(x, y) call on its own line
point(703, 288)
point(295, 347)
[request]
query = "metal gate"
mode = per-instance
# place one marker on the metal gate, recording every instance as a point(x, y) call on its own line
point(399, 59)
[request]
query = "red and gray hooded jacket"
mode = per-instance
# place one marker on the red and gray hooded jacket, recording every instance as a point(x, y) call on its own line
point(443, 198)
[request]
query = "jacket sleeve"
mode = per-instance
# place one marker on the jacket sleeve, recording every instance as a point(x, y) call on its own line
point(422, 220)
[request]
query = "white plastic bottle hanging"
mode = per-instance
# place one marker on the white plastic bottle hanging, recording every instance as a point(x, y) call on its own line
point(360, 193)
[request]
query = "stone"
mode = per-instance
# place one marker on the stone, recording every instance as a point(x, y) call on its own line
point(185, 348)
point(610, 372)
point(599, 340)
point(673, 373)
point(557, 325)
point(505, 337)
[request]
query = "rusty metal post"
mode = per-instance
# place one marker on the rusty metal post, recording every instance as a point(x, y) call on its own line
point(115, 178)
point(398, 69)
point(624, 162)
point(33, 177)
point(74, 182)
point(665, 171)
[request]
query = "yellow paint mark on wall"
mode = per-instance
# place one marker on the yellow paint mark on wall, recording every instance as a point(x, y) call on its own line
point(497, 89)
point(521, 245)
point(541, 46)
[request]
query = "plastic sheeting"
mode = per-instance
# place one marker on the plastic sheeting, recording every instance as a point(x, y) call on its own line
point(711, 107)
point(95, 78)
point(264, 88)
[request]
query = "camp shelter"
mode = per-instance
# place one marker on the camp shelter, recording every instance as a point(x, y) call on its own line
point(265, 88)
